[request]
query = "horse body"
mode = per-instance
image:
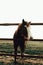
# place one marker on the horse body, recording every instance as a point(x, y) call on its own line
point(19, 38)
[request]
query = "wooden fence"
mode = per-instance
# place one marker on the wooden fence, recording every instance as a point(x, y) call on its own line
point(11, 24)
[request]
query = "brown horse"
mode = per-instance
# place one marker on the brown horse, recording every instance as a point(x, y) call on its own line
point(19, 37)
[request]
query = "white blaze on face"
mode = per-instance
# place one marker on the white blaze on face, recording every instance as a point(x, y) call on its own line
point(29, 32)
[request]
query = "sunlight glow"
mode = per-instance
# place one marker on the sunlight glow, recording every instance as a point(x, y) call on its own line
point(13, 11)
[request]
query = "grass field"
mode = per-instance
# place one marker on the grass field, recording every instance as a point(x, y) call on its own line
point(32, 48)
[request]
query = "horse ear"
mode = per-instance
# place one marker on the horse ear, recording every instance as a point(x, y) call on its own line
point(29, 22)
point(23, 21)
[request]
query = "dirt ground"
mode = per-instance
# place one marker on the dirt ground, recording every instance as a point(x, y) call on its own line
point(8, 59)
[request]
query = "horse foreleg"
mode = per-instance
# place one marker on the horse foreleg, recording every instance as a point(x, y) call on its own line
point(15, 55)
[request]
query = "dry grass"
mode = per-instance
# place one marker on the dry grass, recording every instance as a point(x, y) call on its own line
point(9, 59)
point(6, 41)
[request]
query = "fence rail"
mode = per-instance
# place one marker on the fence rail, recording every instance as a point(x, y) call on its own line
point(10, 24)
point(25, 39)
point(30, 56)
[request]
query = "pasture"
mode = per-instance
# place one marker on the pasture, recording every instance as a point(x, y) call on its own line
point(32, 48)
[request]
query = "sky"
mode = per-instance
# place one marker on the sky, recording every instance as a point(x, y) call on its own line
point(13, 11)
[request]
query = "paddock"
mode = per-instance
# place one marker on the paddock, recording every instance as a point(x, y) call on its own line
point(19, 55)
